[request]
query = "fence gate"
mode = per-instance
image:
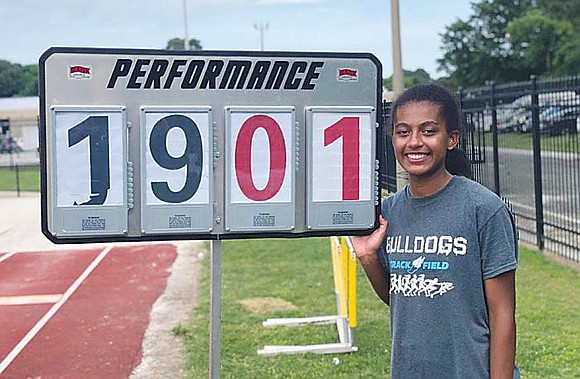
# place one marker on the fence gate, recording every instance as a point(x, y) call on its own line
point(523, 142)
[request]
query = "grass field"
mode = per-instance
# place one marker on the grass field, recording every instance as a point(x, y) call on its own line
point(569, 143)
point(299, 272)
point(28, 178)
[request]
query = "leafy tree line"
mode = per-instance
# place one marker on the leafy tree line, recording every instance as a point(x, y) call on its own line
point(410, 78)
point(178, 44)
point(509, 40)
point(19, 80)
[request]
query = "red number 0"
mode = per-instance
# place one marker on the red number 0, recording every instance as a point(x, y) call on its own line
point(348, 129)
point(243, 157)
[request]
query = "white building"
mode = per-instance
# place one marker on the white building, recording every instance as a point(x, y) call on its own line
point(22, 115)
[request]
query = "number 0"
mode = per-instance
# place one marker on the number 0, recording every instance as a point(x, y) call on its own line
point(243, 158)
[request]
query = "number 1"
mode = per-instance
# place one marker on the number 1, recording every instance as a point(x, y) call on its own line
point(96, 129)
point(348, 129)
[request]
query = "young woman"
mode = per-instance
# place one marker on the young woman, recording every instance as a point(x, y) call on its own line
point(446, 262)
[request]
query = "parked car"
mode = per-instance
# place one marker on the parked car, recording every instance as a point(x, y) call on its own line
point(557, 120)
point(522, 120)
point(505, 115)
point(521, 116)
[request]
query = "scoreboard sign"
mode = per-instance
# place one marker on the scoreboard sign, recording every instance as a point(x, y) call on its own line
point(158, 145)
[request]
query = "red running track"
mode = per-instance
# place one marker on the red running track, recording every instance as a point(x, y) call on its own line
point(78, 314)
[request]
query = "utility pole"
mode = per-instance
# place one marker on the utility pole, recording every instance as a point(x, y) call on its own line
point(398, 77)
point(186, 37)
point(261, 27)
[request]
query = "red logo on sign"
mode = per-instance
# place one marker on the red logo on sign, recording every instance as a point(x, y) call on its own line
point(81, 69)
point(347, 71)
point(80, 72)
point(347, 75)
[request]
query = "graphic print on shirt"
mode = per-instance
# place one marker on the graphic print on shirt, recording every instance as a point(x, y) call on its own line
point(418, 276)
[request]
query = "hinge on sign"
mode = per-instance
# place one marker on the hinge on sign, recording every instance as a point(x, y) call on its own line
point(130, 185)
point(377, 182)
point(296, 146)
point(216, 153)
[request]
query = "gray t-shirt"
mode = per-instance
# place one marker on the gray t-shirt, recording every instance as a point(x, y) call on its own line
point(438, 251)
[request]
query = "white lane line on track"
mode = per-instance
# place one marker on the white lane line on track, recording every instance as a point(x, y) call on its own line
point(4, 257)
point(52, 311)
point(29, 299)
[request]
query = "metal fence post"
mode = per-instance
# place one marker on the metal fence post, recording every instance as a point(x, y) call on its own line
point(537, 165)
point(17, 168)
point(465, 130)
point(389, 168)
point(462, 114)
point(495, 141)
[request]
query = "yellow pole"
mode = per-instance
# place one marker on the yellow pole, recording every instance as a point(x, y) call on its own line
point(351, 284)
point(344, 277)
point(335, 254)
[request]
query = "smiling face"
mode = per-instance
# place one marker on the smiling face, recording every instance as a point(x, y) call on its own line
point(421, 140)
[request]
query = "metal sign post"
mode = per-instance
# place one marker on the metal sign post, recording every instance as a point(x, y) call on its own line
point(215, 309)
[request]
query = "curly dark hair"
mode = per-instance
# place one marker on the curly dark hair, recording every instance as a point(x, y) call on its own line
point(436, 94)
point(456, 161)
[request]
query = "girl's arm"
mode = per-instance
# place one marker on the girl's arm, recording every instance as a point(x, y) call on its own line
point(366, 248)
point(500, 295)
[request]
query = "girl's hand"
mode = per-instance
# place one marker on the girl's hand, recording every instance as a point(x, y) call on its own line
point(366, 247)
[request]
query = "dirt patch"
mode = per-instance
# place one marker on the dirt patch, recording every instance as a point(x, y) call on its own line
point(163, 351)
point(261, 305)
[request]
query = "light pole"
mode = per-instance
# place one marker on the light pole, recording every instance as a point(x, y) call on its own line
point(261, 27)
point(186, 37)
point(398, 77)
point(398, 80)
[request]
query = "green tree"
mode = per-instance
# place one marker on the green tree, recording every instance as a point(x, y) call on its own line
point(177, 44)
point(30, 81)
point(508, 40)
point(567, 54)
point(11, 78)
point(478, 50)
point(410, 78)
point(537, 39)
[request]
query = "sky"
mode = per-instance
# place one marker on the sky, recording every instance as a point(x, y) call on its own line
point(29, 27)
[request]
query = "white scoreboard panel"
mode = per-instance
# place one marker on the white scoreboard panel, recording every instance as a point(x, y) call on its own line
point(341, 173)
point(160, 145)
point(176, 167)
point(90, 169)
point(260, 168)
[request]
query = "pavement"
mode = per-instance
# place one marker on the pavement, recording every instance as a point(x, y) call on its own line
point(153, 285)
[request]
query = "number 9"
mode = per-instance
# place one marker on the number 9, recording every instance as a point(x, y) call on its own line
point(192, 157)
